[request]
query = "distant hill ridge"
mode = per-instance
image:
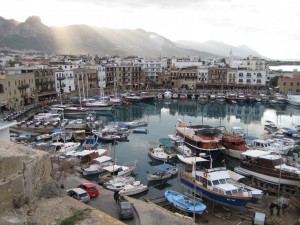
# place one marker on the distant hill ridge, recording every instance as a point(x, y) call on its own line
point(84, 39)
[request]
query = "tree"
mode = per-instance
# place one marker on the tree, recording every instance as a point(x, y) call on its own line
point(274, 81)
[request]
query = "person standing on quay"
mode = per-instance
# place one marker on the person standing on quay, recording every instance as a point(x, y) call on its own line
point(116, 197)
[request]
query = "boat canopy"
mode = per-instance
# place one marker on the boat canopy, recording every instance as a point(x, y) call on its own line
point(57, 130)
point(164, 166)
point(255, 153)
point(166, 142)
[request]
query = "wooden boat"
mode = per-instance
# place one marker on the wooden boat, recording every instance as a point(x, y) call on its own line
point(234, 144)
point(216, 185)
point(201, 138)
point(90, 142)
point(184, 202)
point(269, 168)
point(165, 171)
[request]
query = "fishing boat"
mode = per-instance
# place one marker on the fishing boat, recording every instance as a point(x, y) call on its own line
point(118, 183)
point(117, 171)
point(234, 144)
point(97, 165)
point(201, 138)
point(269, 168)
point(162, 152)
point(133, 189)
point(164, 171)
point(136, 124)
point(184, 203)
point(140, 130)
point(168, 95)
point(190, 159)
point(216, 185)
point(90, 142)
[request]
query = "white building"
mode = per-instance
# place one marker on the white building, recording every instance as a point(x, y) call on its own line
point(152, 67)
point(253, 63)
point(186, 62)
point(64, 81)
point(101, 76)
point(202, 74)
point(250, 77)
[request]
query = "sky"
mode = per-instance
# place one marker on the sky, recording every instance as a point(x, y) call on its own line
point(271, 27)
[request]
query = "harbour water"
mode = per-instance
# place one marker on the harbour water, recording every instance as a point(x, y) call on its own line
point(162, 116)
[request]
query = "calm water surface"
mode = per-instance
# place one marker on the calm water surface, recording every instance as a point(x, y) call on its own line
point(162, 116)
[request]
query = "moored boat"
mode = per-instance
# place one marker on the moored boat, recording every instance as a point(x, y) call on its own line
point(184, 202)
point(293, 99)
point(201, 138)
point(216, 185)
point(234, 144)
point(133, 189)
point(164, 171)
point(269, 168)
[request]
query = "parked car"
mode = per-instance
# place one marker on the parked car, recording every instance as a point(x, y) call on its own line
point(125, 210)
point(79, 194)
point(90, 188)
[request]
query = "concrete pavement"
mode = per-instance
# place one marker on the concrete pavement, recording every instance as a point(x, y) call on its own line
point(146, 213)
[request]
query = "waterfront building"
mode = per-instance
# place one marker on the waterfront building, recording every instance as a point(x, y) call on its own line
point(126, 78)
point(152, 67)
point(251, 78)
point(185, 77)
point(186, 62)
point(87, 79)
point(202, 75)
point(18, 86)
point(217, 76)
point(45, 83)
point(289, 85)
point(254, 63)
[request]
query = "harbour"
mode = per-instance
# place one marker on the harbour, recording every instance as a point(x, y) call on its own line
point(162, 116)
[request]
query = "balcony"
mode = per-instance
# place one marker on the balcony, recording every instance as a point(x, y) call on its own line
point(61, 78)
point(23, 86)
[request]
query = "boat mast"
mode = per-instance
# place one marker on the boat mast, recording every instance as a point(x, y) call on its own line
point(82, 80)
point(79, 89)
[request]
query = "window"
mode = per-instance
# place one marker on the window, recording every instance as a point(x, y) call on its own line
point(1, 88)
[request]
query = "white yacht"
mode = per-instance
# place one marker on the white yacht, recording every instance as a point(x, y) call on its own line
point(293, 99)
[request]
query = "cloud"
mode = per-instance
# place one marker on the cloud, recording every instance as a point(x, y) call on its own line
point(145, 3)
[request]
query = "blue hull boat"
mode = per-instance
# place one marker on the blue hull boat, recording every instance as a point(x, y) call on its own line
point(231, 199)
point(184, 202)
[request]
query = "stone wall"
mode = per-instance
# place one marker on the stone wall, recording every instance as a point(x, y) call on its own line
point(23, 174)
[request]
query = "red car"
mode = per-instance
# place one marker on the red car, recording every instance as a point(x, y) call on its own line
point(90, 188)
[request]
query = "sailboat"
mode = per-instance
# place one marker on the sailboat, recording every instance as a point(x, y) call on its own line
point(75, 110)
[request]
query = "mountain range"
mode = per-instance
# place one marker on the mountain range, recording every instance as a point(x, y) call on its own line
point(83, 39)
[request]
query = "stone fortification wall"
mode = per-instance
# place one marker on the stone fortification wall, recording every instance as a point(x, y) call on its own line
point(24, 172)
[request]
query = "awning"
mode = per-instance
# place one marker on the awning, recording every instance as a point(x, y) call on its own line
point(164, 166)
point(166, 142)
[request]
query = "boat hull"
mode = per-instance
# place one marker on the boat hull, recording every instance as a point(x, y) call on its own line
point(226, 200)
point(184, 203)
point(233, 153)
